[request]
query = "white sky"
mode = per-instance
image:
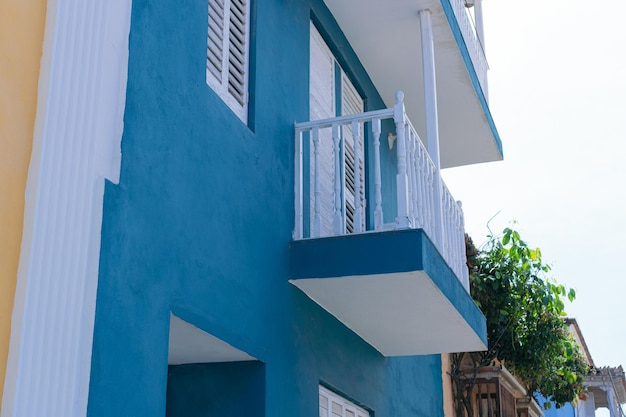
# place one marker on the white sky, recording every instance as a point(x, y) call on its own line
point(557, 87)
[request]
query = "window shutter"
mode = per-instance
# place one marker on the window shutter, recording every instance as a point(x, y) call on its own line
point(323, 91)
point(238, 50)
point(333, 405)
point(228, 52)
point(215, 44)
point(323, 405)
point(352, 103)
point(322, 106)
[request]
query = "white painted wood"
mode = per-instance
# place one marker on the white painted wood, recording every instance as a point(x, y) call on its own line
point(421, 179)
point(228, 52)
point(322, 106)
point(339, 215)
point(412, 174)
point(78, 126)
point(298, 183)
point(332, 404)
point(378, 195)
point(323, 88)
point(358, 206)
point(317, 219)
point(473, 38)
point(402, 186)
point(464, 272)
point(384, 35)
point(481, 66)
point(354, 191)
point(432, 118)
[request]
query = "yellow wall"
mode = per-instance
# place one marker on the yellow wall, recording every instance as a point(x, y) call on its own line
point(448, 395)
point(21, 42)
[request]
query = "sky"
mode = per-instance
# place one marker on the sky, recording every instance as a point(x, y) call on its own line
point(557, 93)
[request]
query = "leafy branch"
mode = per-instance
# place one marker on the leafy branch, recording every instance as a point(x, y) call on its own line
point(526, 329)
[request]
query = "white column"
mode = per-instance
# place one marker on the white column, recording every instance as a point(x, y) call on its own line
point(432, 118)
point(76, 145)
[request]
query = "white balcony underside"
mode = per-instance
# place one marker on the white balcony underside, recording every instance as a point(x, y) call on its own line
point(399, 314)
point(189, 344)
point(386, 37)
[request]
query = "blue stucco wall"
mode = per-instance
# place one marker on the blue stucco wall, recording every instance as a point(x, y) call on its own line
point(230, 389)
point(201, 221)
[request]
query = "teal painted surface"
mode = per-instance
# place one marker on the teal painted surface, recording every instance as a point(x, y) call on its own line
point(201, 221)
point(232, 389)
point(458, 36)
point(381, 253)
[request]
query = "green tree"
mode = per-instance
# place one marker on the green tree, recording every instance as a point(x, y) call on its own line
point(526, 329)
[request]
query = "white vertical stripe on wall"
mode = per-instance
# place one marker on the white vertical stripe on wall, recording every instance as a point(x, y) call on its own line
point(76, 145)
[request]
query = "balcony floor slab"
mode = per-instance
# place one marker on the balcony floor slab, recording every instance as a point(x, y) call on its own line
point(393, 289)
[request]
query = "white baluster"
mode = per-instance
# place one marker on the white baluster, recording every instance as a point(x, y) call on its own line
point(414, 179)
point(338, 215)
point(409, 168)
point(445, 231)
point(297, 231)
point(431, 202)
point(378, 211)
point(465, 272)
point(358, 209)
point(402, 219)
point(421, 197)
point(317, 220)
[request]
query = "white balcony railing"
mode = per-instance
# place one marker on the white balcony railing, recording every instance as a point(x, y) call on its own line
point(473, 43)
point(422, 199)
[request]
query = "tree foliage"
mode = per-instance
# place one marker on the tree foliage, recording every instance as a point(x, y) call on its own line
point(525, 314)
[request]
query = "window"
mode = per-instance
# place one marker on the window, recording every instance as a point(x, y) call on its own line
point(228, 52)
point(332, 93)
point(333, 405)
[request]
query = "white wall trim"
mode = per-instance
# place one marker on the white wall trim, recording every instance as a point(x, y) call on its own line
point(76, 145)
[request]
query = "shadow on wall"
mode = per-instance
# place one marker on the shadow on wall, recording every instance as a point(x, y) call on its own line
point(227, 389)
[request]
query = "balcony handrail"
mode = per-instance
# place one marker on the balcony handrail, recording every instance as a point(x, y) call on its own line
point(423, 200)
point(473, 43)
point(343, 120)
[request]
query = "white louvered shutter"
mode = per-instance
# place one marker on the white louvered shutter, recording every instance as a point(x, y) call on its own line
point(323, 67)
point(352, 103)
point(228, 52)
point(333, 405)
point(322, 106)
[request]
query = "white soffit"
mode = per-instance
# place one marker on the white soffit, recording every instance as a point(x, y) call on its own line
point(386, 37)
point(399, 314)
point(189, 344)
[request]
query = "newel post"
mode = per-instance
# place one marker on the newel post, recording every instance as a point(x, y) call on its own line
point(402, 183)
